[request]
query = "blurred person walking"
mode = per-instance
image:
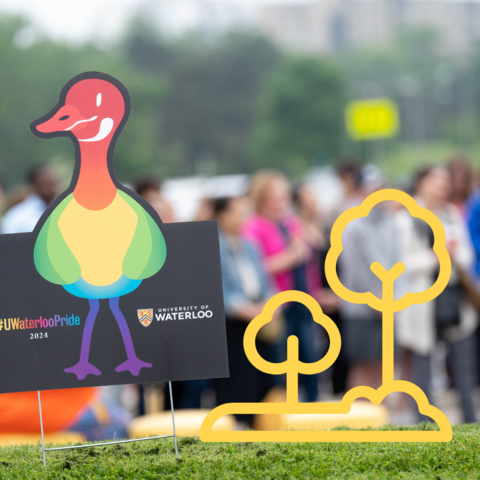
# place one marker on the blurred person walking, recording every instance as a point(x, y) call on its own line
point(289, 256)
point(24, 216)
point(366, 240)
point(246, 290)
point(450, 317)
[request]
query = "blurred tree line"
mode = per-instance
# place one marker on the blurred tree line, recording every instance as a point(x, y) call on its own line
point(438, 93)
point(198, 107)
point(235, 104)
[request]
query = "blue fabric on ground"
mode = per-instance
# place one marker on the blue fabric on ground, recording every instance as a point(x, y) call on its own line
point(95, 428)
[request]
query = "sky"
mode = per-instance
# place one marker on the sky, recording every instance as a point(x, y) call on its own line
point(77, 21)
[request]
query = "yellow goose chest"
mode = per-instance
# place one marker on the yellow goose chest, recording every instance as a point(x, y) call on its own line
point(99, 239)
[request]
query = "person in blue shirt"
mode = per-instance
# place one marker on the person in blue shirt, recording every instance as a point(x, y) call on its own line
point(467, 202)
point(246, 289)
point(472, 214)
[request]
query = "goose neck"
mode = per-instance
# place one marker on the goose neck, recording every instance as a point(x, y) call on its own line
point(95, 189)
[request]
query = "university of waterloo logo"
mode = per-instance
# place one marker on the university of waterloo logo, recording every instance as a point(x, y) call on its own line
point(145, 316)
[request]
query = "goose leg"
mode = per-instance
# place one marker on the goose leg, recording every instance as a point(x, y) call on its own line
point(83, 367)
point(133, 364)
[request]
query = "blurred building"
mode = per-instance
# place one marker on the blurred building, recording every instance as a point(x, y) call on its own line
point(210, 17)
point(328, 26)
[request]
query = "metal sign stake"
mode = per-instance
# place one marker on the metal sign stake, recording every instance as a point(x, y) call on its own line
point(108, 443)
point(41, 428)
point(173, 419)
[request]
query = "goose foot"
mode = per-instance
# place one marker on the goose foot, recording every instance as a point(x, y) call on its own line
point(133, 365)
point(82, 369)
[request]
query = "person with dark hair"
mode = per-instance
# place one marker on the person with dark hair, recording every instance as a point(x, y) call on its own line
point(246, 290)
point(151, 191)
point(461, 177)
point(148, 188)
point(23, 217)
point(349, 170)
point(350, 166)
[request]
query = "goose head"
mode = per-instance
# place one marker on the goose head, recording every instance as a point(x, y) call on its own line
point(90, 109)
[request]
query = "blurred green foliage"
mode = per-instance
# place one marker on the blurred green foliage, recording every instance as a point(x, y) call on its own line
point(198, 106)
point(210, 109)
point(300, 114)
point(236, 103)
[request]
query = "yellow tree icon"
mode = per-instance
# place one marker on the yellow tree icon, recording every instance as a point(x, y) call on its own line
point(292, 366)
point(387, 305)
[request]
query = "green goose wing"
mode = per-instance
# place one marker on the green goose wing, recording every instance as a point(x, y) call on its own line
point(53, 259)
point(147, 251)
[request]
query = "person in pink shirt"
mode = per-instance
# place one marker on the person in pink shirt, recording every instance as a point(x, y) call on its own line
point(289, 258)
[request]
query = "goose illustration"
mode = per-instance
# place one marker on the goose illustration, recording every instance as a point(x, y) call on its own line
point(97, 240)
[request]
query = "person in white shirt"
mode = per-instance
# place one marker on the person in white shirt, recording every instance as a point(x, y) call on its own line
point(421, 327)
point(24, 216)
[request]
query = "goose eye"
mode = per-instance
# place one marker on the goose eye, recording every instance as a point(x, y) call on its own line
point(65, 117)
point(99, 99)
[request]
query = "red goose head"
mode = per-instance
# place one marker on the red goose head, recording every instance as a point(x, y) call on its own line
point(90, 109)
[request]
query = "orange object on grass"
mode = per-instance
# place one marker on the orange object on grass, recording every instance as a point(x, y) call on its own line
point(60, 408)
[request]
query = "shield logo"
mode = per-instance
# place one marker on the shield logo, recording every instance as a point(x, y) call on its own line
point(145, 316)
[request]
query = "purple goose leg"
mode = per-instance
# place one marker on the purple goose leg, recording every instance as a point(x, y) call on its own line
point(83, 367)
point(133, 364)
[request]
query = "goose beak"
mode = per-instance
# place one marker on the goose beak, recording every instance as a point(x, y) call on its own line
point(64, 120)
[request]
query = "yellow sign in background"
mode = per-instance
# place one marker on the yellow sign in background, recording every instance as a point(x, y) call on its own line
point(370, 119)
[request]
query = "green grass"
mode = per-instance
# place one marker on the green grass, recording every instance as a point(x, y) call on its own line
point(156, 459)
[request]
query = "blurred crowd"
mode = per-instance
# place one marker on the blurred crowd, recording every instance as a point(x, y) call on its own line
point(275, 237)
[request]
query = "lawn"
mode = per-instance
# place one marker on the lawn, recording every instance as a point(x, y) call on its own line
point(156, 459)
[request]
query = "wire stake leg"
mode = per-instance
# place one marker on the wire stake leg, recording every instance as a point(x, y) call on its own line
point(41, 428)
point(107, 443)
point(173, 419)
